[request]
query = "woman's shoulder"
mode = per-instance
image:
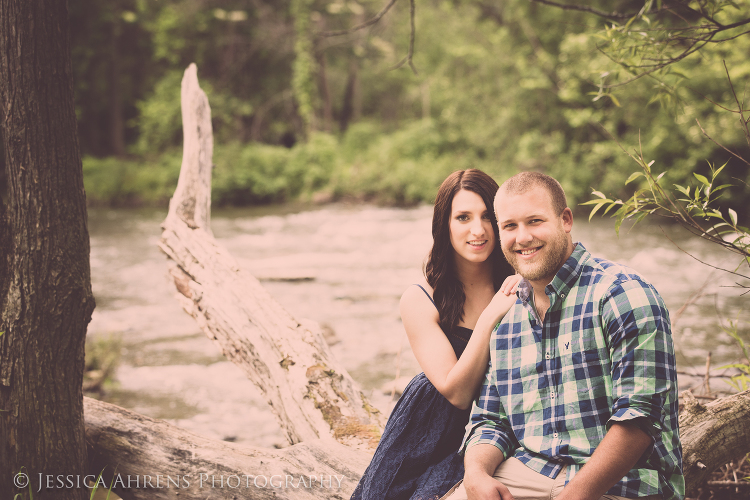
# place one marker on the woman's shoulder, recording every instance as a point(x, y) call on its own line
point(418, 297)
point(418, 291)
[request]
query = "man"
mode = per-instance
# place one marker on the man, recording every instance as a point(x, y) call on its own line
point(580, 399)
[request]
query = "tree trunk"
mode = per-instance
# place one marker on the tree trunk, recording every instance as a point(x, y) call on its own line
point(134, 445)
point(45, 290)
point(349, 102)
point(116, 120)
point(309, 391)
point(325, 92)
point(712, 435)
point(125, 444)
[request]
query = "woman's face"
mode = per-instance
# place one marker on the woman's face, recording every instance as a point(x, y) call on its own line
point(470, 226)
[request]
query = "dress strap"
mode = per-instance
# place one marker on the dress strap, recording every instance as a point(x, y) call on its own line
point(428, 295)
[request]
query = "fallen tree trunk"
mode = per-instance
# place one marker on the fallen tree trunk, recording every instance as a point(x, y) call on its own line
point(316, 401)
point(148, 459)
point(713, 435)
point(124, 442)
point(309, 391)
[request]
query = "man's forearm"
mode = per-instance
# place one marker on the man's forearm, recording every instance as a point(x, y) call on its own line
point(613, 458)
point(482, 459)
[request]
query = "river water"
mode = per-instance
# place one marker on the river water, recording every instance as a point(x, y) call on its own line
point(345, 267)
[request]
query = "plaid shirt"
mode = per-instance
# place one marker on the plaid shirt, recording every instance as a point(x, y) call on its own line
point(603, 354)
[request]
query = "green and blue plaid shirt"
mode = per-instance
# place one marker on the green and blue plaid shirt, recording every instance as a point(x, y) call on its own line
point(603, 354)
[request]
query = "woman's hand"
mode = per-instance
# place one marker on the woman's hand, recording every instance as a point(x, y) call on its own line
point(503, 299)
point(510, 285)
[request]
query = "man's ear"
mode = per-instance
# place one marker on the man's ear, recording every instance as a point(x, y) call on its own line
point(567, 219)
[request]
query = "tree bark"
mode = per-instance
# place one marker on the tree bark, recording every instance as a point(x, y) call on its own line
point(325, 92)
point(712, 435)
point(309, 391)
point(116, 120)
point(45, 291)
point(123, 443)
point(130, 444)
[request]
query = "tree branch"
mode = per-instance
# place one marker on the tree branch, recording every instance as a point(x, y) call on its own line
point(410, 54)
point(613, 16)
point(721, 145)
point(362, 26)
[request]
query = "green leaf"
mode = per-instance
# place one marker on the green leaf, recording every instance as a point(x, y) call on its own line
point(735, 365)
point(702, 179)
point(613, 205)
point(596, 208)
point(723, 186)
point(716, 172)
point(598, 193)
point(595, 202)
point(614, 100)
point(633, 177)
point(682, 189)
point(640, 217)
point(733, 216)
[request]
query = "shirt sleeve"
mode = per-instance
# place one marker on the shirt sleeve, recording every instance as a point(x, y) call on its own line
point(642, 354)
point(489, 423)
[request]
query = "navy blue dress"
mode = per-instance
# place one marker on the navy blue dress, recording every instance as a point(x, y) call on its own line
point(417, 456)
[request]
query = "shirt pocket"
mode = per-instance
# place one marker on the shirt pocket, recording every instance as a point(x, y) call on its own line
point(589, 372)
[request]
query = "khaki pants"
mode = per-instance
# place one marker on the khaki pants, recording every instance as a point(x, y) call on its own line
point(526, 484)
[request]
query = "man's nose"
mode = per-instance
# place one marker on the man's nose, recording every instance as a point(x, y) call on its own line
point(523, 235)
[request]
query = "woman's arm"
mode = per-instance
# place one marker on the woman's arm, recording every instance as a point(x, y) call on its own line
point(457, 380)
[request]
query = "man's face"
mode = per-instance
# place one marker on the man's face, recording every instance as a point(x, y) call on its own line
point(533, 237)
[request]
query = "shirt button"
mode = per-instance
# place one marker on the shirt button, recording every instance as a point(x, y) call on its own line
point(546, 355)
point(562, 295)
point(553, 394)
point(554, 435)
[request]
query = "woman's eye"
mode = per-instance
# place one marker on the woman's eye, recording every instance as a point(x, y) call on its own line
point(462, 217)
point(487, 217)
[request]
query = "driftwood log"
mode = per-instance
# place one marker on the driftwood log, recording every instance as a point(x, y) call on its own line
point(162, 461)
point(322, 412)
point(311, 394)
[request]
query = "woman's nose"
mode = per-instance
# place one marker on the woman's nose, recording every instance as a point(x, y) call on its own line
point(477, 228)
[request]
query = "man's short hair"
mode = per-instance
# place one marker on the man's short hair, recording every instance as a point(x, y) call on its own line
point(526, 181)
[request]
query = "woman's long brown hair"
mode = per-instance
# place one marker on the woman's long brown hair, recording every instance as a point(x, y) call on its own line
point(440, 268)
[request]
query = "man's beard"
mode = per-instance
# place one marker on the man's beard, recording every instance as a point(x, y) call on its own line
point(547, 265)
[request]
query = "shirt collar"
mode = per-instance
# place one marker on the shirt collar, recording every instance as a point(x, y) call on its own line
point(565, 278)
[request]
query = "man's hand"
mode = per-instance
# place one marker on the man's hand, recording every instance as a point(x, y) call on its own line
point(480, 463)
point(485, 487)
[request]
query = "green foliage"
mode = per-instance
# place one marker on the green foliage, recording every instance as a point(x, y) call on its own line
point(741, 381)
point(22, 496)
point(696, 210)
point(506, 87)
point(103, 355)
point(121, 182)
point(160, 119)
point(95, 488)
point(303, 67)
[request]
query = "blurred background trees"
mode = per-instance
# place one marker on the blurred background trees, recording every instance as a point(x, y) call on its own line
point(502, 86)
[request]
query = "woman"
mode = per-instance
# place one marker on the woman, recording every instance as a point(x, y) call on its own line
point(469, 287)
